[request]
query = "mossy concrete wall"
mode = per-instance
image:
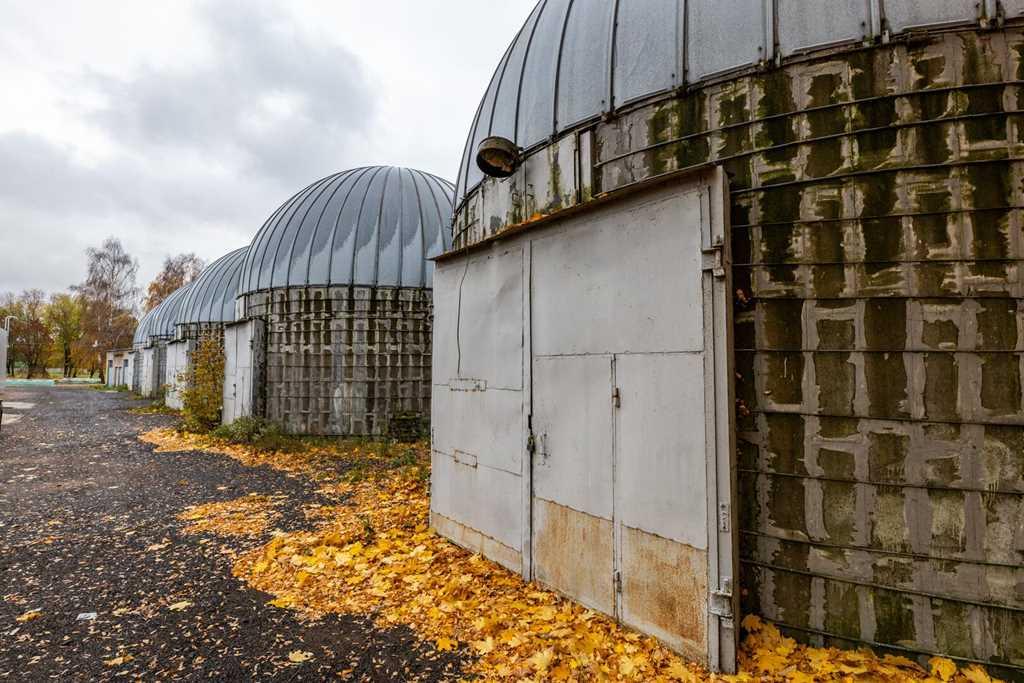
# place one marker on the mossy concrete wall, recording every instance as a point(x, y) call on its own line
point(346, 360)
point(876, 198)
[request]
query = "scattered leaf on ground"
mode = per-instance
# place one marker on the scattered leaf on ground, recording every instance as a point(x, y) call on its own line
point(246, 516)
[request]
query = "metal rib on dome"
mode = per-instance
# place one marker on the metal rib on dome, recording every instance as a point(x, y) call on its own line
point(211, 297)
point(141, 337)
point(576, 60)
point(165, 317)
point(377, 225)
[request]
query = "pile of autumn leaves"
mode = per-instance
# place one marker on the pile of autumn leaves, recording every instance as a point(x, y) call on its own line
point(373, 553)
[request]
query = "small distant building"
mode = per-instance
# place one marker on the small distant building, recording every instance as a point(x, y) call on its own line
point(155, 331)
point(335, 306)
point(119, 367)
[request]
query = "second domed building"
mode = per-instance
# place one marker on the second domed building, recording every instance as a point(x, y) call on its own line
point(336, 296)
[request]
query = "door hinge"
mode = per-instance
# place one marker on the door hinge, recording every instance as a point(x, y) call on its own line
point(616, 397)
point(617, 577)
point(714, 259)
point(723, 517)
point(720, 604)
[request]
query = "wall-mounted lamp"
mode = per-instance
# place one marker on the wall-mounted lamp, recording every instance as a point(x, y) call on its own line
point(498, 157)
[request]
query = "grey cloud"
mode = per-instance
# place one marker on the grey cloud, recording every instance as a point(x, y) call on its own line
point(188, 169)
point(210, 109)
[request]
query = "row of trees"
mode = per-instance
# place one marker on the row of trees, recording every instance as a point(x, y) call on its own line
point(73, 330)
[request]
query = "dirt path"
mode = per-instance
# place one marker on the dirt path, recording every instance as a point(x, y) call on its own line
point(88, 525)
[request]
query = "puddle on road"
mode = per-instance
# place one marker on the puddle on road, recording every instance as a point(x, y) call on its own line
point(11, 418)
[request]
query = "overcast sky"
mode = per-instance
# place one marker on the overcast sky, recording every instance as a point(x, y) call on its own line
point(180, 126)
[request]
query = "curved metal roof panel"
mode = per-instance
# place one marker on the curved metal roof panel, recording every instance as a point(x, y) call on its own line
point(166, 316)
point(377, 225)
point(141, 337)
point(211, 297)
point(576, 60)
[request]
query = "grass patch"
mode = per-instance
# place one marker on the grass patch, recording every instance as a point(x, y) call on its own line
point(154, 408)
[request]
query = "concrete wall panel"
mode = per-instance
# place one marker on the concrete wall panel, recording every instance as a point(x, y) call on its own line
point(347, 360)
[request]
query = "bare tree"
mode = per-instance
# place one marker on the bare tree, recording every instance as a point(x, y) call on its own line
point(177, 272)
point(108, 298)
point(64, 316)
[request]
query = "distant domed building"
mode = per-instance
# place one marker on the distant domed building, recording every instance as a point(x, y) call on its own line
point(207, 306)
point(336, 292)
point(154, 332)
point(733, 321)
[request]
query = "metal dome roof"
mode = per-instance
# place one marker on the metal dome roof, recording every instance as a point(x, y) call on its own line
point(375, 225)
point(141, 337)
point(575, 60)
point(211, 297)
point(164, 318)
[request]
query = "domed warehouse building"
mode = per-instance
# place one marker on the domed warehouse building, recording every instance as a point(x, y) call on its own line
point(154, 333)
point(206, 308)
point(336, 293)
point(732, 321)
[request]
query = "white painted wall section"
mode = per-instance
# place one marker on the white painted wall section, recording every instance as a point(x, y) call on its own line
point(177, 363)
point(238, 371)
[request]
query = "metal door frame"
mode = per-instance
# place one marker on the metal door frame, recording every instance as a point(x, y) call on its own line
point(719, 397)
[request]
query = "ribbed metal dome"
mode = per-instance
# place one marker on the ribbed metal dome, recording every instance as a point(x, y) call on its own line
point(376, 225)
point(211, 297)
point(575, 60)
point(141, 337)
point(165, 317)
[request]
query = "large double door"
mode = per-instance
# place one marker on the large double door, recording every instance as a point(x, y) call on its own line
point(631, 509)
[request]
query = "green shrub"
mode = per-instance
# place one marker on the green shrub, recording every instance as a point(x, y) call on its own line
point(254, 431)
point(203, 385)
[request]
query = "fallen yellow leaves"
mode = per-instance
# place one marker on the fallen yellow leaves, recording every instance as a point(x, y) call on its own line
point(309, 462)
point(179, 606)
point(29, 616)
point(767, 655)
point(118, 661)
point(374, 554)
point(246, 516)
point(298, 656)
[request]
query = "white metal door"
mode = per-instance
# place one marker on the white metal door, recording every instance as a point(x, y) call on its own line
point(3, 361)
point(573, 543)
point(632, 415)
point(238, 361)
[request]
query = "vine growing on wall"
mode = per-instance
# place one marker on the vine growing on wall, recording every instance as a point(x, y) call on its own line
point(203, 385)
